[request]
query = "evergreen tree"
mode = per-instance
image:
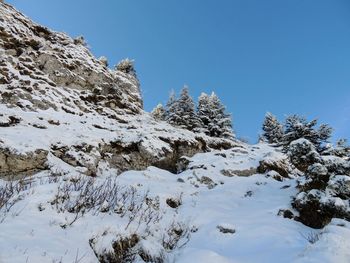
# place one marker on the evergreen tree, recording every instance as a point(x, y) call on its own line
point(220, 124)
point(342, 143)
point(324, 133)
point(172, 112)
point(186, 110)
point(159, 112)
point(273, 130)
point(297, 127)
point(204, 112)
point(126, 66)
point(342, 148)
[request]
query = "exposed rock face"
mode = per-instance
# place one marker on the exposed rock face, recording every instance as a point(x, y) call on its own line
point(279, 165)
point(245, 172)
point(12, 163)
point(35, 61)
point(59, 102)
point(137, 156)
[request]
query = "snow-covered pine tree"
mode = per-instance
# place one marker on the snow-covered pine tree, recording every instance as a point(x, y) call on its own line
point(204, 112)
point(273, 129)
point(159, 112)
point(297, 127)
point(324, 134)
point(186, 111)
point(127, 66)
point(220, 124)
point(171, 111)
point(343, 148)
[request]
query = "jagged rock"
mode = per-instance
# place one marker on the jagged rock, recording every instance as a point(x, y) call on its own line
point(226, 230)
point(46, 71)
point(8, 120)
point(228, 172)
point(12, 163)
point(135, 156)
point(83, 155)
point(243, 172)
point(274, 163)
point(286, 213)
point(183, 163)
point(275, 175)
point(173, 203)
point(36, 61)
point(208, 182)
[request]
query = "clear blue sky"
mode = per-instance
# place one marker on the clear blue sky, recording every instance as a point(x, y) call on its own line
point(283, 56)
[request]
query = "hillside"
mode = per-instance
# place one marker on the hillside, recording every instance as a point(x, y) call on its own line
point(86, 175)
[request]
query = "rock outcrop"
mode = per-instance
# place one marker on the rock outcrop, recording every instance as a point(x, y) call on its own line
point(12, 163)
point(59, 103)
point(39, 67)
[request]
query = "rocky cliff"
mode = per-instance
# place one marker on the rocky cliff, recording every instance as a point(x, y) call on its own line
point(59, 101)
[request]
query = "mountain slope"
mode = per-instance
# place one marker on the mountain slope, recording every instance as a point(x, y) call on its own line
point(87, 176)
point(215, 218)
point(58, 101)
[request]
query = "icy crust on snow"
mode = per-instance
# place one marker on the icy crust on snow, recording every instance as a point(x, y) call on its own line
point(234, 220)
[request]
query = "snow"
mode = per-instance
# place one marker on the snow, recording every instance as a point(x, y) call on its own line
point(40, 223)
point(260, 234)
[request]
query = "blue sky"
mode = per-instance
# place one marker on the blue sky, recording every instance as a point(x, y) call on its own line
point(290, 56)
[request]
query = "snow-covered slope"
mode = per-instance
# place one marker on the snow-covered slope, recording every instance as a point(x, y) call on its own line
point(216, 218)
point(87, 176)
point(37, 65)
point(58, 101)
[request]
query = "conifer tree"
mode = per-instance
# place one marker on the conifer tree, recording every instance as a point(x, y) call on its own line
point(172, 111)
point(204, 112)
point(297, 127)
point(127, 66)
point(273, 130)
point(185, 109)
point(342, 148)
point(220, 124)
point(324, 133)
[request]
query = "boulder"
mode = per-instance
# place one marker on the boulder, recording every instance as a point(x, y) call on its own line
point(12, 163)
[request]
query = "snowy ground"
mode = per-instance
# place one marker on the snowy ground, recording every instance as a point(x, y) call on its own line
point(246, 208)
point(204, 214)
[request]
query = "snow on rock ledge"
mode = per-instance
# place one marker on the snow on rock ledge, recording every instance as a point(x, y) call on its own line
point(59, 102)
point(40, 67)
